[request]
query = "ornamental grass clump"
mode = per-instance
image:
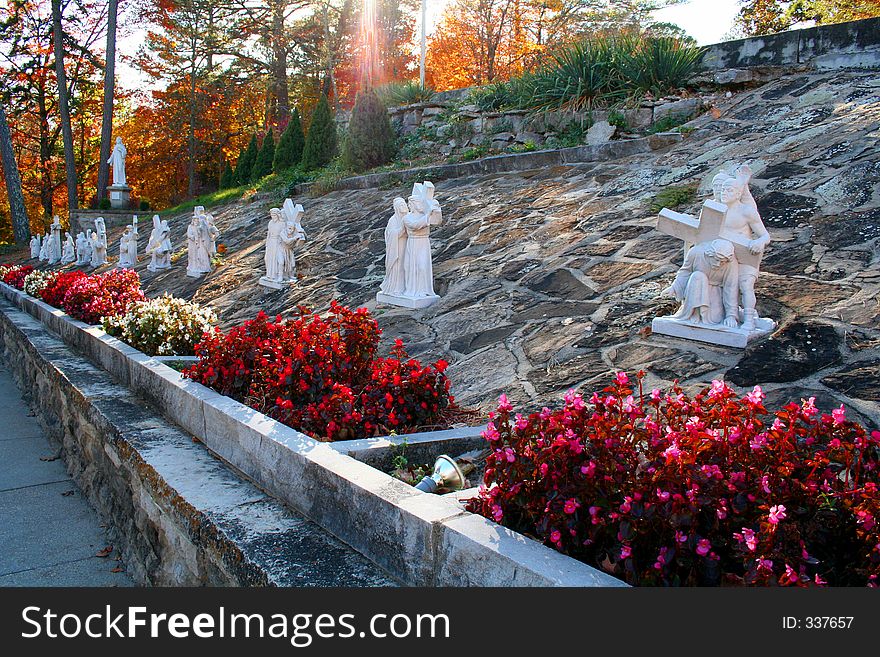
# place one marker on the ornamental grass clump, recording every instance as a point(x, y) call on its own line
point(36, 281)
point(16, 274)
point(662, 489)
point(90, 298)
point(320, 375)
point(165, 326)
point(54, 291)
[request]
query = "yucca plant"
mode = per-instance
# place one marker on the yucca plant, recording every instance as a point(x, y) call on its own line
point(395, 94)
point(657, 64)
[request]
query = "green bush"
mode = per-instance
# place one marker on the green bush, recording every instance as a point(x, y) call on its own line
point(370, 141)
point(320, 146)
point(395, 94)
point(263, 164)
point(104, 204)
point(674, 197)
point(290, 147)
point(657, 64)
point(245, 165)
point(144, 205)
point(227, 178)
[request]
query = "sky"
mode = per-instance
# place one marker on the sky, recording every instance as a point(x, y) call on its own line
point(705, 20)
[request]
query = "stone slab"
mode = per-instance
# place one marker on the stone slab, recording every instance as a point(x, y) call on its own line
point(406, 302)
point(727, 337)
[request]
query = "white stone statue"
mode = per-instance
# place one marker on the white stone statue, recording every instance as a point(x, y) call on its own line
point(283, 232)
point(44, 249)
point(54, 250)
point(394, 283)
point(198, 238)
point(36, 246)
point(716, 282)
point(68, 250)
point(128, 248)
point(159, 246)
point(98, 240)
point(83, 249)
point(117, 161)
point(418, 273)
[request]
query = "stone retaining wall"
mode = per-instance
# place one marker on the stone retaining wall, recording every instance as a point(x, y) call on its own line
point(853, 44)
point(177, 514)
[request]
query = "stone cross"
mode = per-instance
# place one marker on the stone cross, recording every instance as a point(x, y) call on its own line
point(709, 226)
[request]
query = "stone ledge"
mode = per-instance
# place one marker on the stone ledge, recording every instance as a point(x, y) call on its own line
point(404, 531)
point(508, 163)
point(179, 515)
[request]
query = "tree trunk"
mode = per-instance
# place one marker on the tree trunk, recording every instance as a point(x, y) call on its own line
point(66, 132)
point(21, 228)
point(109, 84)
point(280, 105)
point(46, 186)
point(191, 137)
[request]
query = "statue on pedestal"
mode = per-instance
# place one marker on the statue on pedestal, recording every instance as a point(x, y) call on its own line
point(36, 246)
point(68, 250)
point(98, 242)
point(159, 246)
point(198, 238)
point(117, 162)
point(53, 253)
point(414, 249)
point(716, 282)
point(283, 232)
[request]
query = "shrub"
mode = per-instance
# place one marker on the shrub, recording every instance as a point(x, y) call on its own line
point(263, 163)
point(370, 140)
point(36, 281)
point(104, 204)
point(227, 178)
point(320, 375)
point(144, 205)
point(290, 147)
point(673, 197)
point(657, 64)
point(54, 292)
point(396, 94)
point(16, 274)
point(320, 145)
point(667, 490)
point(90, 298)
point(166, 326)
point(245, 165)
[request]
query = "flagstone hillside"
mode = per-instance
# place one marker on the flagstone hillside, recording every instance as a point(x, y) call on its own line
point(550, 278)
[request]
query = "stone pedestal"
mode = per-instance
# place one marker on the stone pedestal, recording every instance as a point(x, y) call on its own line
point(120, 196)
point(275, 285)
point(713, 334)
point(406, 302)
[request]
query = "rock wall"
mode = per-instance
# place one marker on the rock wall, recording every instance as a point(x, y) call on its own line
point(845, 45)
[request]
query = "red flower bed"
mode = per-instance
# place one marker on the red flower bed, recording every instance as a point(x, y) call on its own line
point(90, 298)
point(54, 292)
point(14, 275)
point(320, 375)
point(660, 489)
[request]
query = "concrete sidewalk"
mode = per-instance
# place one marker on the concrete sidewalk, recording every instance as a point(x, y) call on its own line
point(49, 532)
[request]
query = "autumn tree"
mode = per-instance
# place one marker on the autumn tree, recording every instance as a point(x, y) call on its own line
point(770, 16)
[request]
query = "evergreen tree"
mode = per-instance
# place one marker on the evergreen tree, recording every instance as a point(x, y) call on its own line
point(245, 165)
point(320, 146)
point(227, 179)
point(263, 165)
point(370, 140)
point(289, 151)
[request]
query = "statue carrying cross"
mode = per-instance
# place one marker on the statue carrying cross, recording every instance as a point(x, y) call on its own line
point(715, 284)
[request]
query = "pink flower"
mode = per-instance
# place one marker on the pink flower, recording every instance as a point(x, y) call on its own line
point(509, 454)
point(751, 541)
point(703, 547)
point(626, 507)
point(759, 441)
point(555, 535)
point(521, 422)
point(625, 552)
point(544, 468)
point(491, 433)
point(662, 495)
point(756, 396)
point(571, 505)
point(655, 395)
point(765, 564)
point(589, 469)
point(718, 389)
point(765, 484)
point(497, 513)
point(809, 407)
point(839, 415)
point(790, 576)
point(629, 404)
point(777, 514)
point(819, 581)
point(503, 404)
point(680, 537)
point(622, 378)
point(672, 452)
point(574, 400)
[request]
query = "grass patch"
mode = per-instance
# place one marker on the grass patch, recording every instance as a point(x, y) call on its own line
point(668, 123)
point(674, 197)
point(208, 200)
